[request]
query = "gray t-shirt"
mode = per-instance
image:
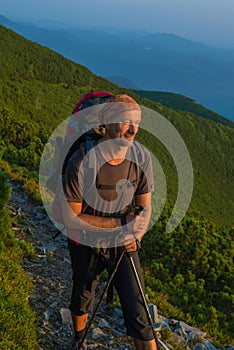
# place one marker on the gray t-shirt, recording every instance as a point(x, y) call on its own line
point(108, 190)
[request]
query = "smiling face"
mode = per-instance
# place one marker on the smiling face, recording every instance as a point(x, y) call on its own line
point(126, 129)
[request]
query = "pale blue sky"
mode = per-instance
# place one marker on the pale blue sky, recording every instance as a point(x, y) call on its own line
point(209, 21)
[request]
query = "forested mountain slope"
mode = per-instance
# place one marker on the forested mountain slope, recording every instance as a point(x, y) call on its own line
point(191, 266)
point(39, 89)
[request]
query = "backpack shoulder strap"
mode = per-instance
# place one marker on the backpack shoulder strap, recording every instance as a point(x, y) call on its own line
point(91, 160)
point(138, 152)
point(138, 157)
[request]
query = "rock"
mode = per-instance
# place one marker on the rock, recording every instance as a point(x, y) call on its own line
point(40, 330)
point(191, 332)
point(209, 345)
point(172, 322)
point(65, 315)
point(117, 313)
point(199, 346)
point(67, 261)
point(178, 339)
point(154, 315)
point(103, 323)
point(51, 248)
point(46, 315)
point(97, 333)
point(163, 321)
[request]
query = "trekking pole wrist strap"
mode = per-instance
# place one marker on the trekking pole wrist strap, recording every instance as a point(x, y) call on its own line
point(138, 243)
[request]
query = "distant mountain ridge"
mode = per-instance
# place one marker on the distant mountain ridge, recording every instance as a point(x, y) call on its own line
point(154, 62)
point(183, 103)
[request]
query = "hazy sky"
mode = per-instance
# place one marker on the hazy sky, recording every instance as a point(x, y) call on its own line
point(209, 21)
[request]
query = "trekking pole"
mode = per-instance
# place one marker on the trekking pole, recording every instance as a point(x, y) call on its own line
point(162, 345)
point(159, 342)
point(79, 345)
point(138, 211)
point(144, 300)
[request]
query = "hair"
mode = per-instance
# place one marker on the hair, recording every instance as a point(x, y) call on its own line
point(118, 104)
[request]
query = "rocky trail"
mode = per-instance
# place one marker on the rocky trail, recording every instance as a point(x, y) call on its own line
point(51, 276)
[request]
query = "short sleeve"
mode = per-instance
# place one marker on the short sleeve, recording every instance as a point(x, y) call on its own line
point(71, 186)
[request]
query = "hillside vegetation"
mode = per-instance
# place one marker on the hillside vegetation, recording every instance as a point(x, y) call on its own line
point(38, 89)
point(17, 329)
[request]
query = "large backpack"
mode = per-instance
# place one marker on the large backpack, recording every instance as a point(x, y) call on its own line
point(77, 132)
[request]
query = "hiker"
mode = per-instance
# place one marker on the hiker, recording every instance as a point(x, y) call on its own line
point(111, 215)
